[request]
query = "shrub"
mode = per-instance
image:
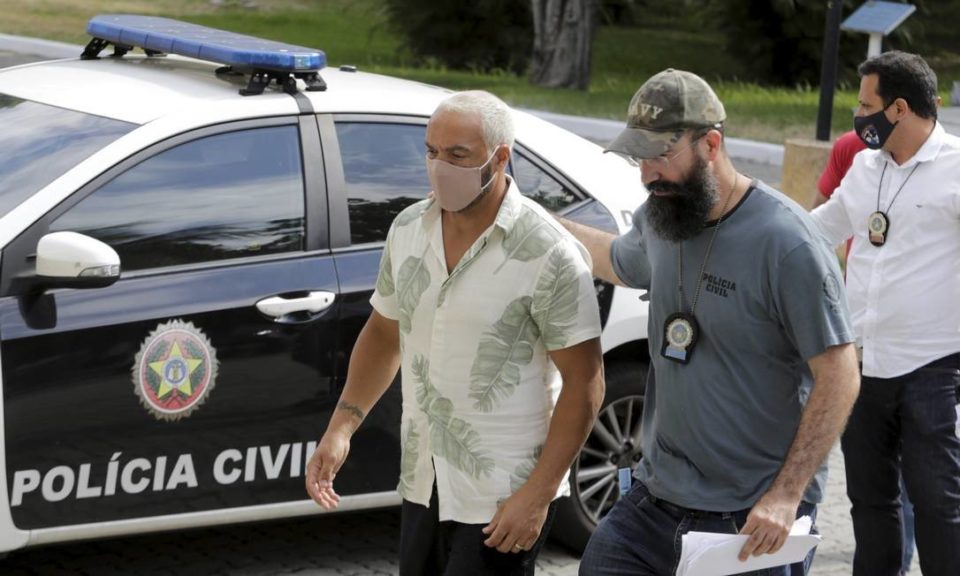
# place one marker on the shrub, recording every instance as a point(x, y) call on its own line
point(478, 35)
point(781, 41)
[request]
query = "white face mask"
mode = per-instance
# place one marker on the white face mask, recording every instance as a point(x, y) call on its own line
point(456, 187)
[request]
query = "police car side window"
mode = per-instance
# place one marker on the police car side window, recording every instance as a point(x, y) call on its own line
point(537, 184)
point(229, 195)
point(385, 171)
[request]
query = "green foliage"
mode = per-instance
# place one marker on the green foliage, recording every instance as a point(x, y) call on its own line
point(451, 438)
point(385, 284)
point(769, 114)
point(932, 32)
point(478, 35)
point(503, 351)
point(356, 32)
point(413, 279)
point(410, 214)
point(523, 471)
point(677, 33)
point(408, 462)
point(349, 31)
point(616, 11)
point(529, 239)
point(636, 53)
point(781, 41)
point(556, 300)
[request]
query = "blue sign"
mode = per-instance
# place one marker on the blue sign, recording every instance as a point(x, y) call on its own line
point(876, 17)
point(185, 39)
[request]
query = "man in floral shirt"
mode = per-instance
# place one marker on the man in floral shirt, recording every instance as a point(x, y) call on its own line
point(487, 306)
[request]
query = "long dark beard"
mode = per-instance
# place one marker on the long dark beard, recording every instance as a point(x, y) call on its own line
point(682, 215)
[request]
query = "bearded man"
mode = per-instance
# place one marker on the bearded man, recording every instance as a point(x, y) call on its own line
point(749, 341)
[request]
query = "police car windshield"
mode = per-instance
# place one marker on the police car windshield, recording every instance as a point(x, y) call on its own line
point(39, 143)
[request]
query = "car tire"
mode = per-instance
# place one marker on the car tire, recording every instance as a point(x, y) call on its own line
point(593, 476)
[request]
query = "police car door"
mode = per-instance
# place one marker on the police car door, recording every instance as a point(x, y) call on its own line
point(201, 378)
point(375, 169)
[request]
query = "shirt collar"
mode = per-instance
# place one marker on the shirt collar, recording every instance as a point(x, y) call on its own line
point(928, 151)
point(509, 208)
point(431, 213)
point(506, 216)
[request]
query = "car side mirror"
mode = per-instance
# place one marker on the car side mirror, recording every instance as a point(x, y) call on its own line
point(72, 260)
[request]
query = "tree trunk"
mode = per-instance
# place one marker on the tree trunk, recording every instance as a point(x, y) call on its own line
point(563, 36)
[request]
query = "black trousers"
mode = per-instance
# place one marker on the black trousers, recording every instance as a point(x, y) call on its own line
point(906, 425)
point(429, 547)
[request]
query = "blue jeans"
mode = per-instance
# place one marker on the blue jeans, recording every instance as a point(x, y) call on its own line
point(906, 425)
point(641, 536)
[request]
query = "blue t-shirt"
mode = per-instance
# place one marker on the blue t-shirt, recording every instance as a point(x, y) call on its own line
point(716, 431)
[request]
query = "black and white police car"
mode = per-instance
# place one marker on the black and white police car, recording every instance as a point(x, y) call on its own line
point(190, 235)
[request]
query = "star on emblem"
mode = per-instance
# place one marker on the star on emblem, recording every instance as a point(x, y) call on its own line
point(175, 371)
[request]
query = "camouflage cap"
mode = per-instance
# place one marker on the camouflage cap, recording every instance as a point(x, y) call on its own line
point(667, 104)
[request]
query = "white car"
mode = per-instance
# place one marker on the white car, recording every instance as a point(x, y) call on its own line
point(191, 388)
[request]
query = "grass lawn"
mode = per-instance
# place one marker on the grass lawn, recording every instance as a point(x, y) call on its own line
point(355, 32)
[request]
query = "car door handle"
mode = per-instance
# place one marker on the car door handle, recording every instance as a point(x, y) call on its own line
point(313, 303)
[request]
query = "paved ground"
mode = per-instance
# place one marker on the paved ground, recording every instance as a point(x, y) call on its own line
point(357, 544)
point(835, 553)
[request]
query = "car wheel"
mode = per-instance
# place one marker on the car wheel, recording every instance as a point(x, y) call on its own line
point(613, 443)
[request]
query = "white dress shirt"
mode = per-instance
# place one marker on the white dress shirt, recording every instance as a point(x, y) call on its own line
point(904, 296)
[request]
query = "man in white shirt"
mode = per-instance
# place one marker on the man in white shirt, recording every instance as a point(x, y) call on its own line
point(901, 202)
point(487, 305)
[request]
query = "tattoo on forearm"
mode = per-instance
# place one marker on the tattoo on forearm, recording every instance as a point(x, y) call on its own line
point(353, 409)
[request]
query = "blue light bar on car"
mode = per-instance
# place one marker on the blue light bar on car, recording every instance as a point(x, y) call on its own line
point(185, 39)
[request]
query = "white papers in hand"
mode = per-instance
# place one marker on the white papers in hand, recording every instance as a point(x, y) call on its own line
point(712, 554)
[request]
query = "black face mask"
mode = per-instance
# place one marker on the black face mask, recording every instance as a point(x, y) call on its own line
point(874, 129)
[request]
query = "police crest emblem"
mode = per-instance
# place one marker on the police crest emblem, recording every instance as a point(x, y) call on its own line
point(175, 370)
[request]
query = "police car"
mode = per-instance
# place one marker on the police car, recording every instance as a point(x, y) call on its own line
point(191, 223)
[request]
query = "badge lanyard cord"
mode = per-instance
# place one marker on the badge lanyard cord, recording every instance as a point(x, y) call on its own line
point(880, 185)
point(706, 256)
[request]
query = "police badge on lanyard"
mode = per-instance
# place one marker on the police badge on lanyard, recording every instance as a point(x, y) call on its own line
point(680, 336)
point(680, 330)
point(878, 224)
